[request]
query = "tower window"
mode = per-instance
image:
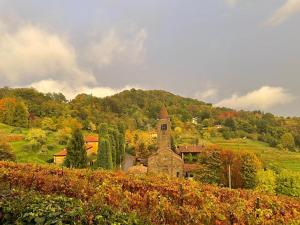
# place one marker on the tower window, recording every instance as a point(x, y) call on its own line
point(164, 127)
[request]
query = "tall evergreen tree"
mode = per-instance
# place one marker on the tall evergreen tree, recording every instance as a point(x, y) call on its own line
point(104, 156)
point(103, 130)
point(121, 148)
point(76, 155)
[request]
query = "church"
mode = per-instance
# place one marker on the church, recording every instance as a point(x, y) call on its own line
point(165, 160)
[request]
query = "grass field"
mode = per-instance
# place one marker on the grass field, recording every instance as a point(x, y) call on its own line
point(31, 156)
point(272, 157)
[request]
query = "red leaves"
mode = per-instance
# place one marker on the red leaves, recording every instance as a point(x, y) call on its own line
point(160, 199)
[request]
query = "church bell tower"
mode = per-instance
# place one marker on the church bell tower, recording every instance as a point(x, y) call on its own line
point(163, 130)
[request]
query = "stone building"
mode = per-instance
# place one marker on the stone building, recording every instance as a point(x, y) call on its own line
point(165, 160)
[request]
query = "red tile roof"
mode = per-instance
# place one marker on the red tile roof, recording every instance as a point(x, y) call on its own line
point(91, 138)
point(163, 114)
point(64, 151)
point(61, 153)
point(190, 167)
point(190, 149)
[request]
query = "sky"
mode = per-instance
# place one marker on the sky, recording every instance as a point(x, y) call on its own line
point(240, 54)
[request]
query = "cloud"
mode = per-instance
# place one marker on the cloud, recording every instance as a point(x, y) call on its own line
point(264, 98)
point(207, 94)
point(231, 2)
point(31, 56)
point(290, 8)
point(112, 48)
point(31, 53)
point(70, 91)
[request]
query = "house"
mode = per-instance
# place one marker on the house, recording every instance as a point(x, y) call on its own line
point(190, 155)
point(91, 143)
point(186, 151)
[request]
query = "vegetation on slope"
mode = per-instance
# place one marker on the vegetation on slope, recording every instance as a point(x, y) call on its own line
point(157, 200)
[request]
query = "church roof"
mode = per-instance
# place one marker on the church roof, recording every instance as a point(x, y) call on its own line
point(163, 114)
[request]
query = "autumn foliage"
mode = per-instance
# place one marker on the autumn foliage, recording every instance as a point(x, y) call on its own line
point(159, 200)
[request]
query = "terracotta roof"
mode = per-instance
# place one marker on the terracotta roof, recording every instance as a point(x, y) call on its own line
point(61, 153)
point(163, 114)
point(190, 167)
point(64, 151)
point(91, 138)
point(190, 149)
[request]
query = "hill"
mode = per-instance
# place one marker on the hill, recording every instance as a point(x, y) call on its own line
point(275, 139)
point(88, 197)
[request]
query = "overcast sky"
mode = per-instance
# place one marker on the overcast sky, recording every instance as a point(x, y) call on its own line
point(235, 53)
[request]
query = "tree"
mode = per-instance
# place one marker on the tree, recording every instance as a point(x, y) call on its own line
point(36, 136)
point(21, 115)
point(266, 181)
point(103, 129)
point(297, 140)
point(121, 149)
point(249, 167)
point(48, 124)
point(13, 112)
point(6, 152)
point(104, 156)
point(288, 183)
point(76, 151)
point(288, 142)
point(64, 135)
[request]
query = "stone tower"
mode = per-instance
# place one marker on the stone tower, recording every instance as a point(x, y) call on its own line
point(163, 130)
point(165, 160)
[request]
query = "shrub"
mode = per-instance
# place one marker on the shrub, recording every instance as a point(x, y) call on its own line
point(266, 181)
point(288, 183)
point(6, 152)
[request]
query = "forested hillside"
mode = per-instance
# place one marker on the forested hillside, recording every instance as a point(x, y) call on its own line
point(138, 109)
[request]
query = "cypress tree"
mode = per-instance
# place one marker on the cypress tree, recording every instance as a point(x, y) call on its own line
point(76, 155)
point(103, 130)
point(121, 148)
point(104, 157)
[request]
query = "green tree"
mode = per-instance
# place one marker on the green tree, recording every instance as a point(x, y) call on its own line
point(104, 156)
point(266, 181)
point(212, 168)
point(36, 136)
point(288, 142)
point(48, 124)
point(288, 183)
point(76, 151)
point(103, 129)
point(249, 167)
point(121, 149)
point(20, 115)
point(64, 135)
point(13, 112)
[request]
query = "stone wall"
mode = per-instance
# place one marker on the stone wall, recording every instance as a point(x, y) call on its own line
point(167, 162)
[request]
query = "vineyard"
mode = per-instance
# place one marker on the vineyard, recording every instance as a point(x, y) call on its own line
point(36, 194)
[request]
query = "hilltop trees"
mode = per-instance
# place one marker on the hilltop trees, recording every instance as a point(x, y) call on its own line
point(76, 155)
point(13, 112)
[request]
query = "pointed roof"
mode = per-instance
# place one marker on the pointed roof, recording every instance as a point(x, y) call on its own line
point(163, 114)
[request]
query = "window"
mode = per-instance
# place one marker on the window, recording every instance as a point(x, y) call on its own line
point(164, 127)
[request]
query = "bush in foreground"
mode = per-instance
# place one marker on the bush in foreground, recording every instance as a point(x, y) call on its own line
point(160, 200)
